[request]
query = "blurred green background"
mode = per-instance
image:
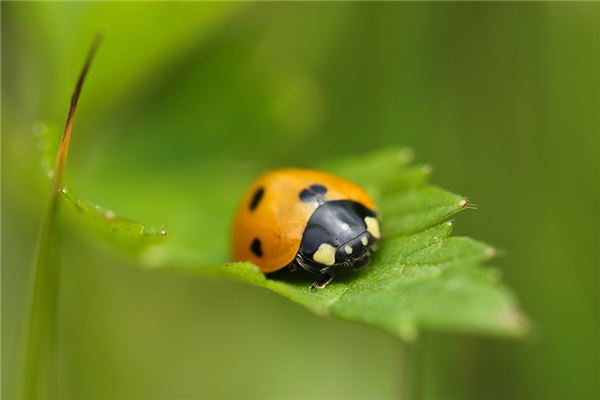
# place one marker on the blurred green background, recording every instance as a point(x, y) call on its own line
point(186, 100)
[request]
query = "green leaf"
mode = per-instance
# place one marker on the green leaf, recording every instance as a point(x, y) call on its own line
point(420, 278)
point(118, 229)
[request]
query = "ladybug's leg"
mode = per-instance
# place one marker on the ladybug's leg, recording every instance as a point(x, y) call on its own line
point(325, 272)
point(327, 275)
point(362, 262)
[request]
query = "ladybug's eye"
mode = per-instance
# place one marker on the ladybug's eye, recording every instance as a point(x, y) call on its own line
point(256, 247)
point(256, 198)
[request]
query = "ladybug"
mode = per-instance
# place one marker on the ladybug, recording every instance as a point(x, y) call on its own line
point(292, 218)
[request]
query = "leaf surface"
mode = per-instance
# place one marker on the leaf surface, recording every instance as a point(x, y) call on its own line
point(420, 277)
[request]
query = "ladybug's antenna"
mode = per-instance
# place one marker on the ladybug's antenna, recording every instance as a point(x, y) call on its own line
point(63, 148)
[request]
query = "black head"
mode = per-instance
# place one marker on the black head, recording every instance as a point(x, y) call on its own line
point(340, 232)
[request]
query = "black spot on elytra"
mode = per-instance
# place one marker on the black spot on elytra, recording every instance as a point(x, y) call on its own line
point(312, 193)
point(256, 247)
point(306, 195)
point(256, 198)
point(318, 189)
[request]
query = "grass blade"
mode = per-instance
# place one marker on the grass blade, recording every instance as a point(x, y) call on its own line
point(39, 369)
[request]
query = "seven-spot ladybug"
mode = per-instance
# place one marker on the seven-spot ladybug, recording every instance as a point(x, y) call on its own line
point(305, 218)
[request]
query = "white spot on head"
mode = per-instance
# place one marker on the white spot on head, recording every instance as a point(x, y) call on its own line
point(463, 203)
point(348, 250)
point(373, 227)
point(325, 254)
point(364, 240)
point(109, 214)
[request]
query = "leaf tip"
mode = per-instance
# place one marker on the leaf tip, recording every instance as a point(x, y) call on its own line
point(490, 252)
point(101, 32)
point(513, 319)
